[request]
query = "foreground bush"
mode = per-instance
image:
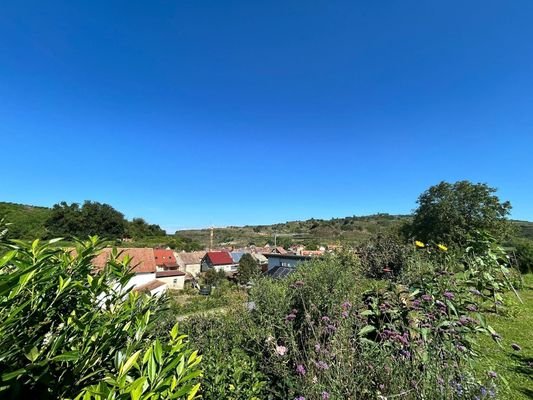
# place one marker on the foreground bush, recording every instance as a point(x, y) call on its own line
point(328, 332)
point(69, 331)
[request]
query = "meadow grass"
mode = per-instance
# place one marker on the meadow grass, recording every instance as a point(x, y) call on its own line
point(515, 368)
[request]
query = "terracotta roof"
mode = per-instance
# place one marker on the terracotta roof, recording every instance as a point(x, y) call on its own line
point(143, 259)
point(148, 287)
point(167, 274)
point(165, 258)
point(219, 257)
point(193, 257)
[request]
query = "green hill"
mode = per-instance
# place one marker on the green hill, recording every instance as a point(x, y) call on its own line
point(27, 221)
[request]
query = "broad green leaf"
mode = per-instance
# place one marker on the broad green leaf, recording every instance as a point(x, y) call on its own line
point(366, 330)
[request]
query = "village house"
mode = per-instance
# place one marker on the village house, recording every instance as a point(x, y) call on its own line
point(281, 265)
point(142, 264)
point(174, 279)
point(165, 260)
point(190, 262)
point(218, 260)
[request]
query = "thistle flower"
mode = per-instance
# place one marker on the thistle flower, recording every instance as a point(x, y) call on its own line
point(346, 305)
point(322, 365)
point(419, 244)
point(300, 369)
point(471, 307)
point(299, 398)
point(290, 317)
point(448, 295)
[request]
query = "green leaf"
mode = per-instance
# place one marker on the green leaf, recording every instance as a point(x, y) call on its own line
point(68, 356)
point(129, 363)
point(32, 354)
point(7, 257)
point(366, 330)
point(10, 375)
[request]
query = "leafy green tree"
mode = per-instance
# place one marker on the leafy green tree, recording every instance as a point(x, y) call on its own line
point(139, 228)
point(451, 213)
point(248, 268)
point(213, 277)
point(69, 331)
point(92, 218)
point(523, 254)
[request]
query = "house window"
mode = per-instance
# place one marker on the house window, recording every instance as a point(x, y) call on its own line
point(175, 281)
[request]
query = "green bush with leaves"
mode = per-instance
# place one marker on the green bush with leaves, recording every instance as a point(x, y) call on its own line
point(68, 330)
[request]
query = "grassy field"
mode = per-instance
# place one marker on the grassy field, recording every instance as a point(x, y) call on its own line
point(514, 368)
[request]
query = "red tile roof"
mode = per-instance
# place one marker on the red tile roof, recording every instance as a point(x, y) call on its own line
point(220, 257)
point(166, 274)
point(165, 258)
point(143, 259)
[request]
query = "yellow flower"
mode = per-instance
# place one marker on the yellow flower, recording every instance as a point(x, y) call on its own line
point(419, 244)
point(442, 247)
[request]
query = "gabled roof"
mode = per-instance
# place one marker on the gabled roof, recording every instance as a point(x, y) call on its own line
point(165, 258)
point(278, 250)
point(192, 257)
point(219, 257)
point(143, 259)
point(236, 256)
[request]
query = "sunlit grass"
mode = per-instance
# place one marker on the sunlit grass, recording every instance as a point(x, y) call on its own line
point(515, 368)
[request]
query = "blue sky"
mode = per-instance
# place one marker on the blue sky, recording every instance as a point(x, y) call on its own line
point(192, 113)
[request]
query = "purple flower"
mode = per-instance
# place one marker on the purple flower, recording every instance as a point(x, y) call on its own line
point(322, 365)
point(448, 295)
point(325, 395)
point(325, 318)
point(471, 307)
point(331, 328)
point(317, 347)
point(299, 398)
point(427, 297)
point(492, 374)
point(346, 305)
point(290, 317)
point(300, 369)
point(294, 311)
point(345, 314)
point(516, 347)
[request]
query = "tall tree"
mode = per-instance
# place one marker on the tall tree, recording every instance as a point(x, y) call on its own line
point(92, 218)
point(451, 213)
point(248, 268)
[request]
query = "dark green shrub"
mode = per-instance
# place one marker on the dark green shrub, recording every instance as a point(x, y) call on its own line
point(523, 254)
point(383, 256)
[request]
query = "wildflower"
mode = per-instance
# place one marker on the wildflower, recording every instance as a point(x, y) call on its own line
point(290, 317)
point(325, 318)
point(299, 398)
point(419, 244)
point(281, 350)
point(492, 374)
point(325, 395)
point(448, 295)
point(483, 391)
point(322, 365)
point(294, 311)
point(300, 369)
point(317, 347)
point(471, 307)
point(516, 347)
point(426, 297)
point(345, 314)
point(346, 305)
point(331, 328)
point(442, 247)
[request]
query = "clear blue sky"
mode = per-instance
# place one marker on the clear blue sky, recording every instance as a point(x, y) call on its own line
point(192, 113)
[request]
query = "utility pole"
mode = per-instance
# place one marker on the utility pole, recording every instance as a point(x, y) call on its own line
point(211, 238)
